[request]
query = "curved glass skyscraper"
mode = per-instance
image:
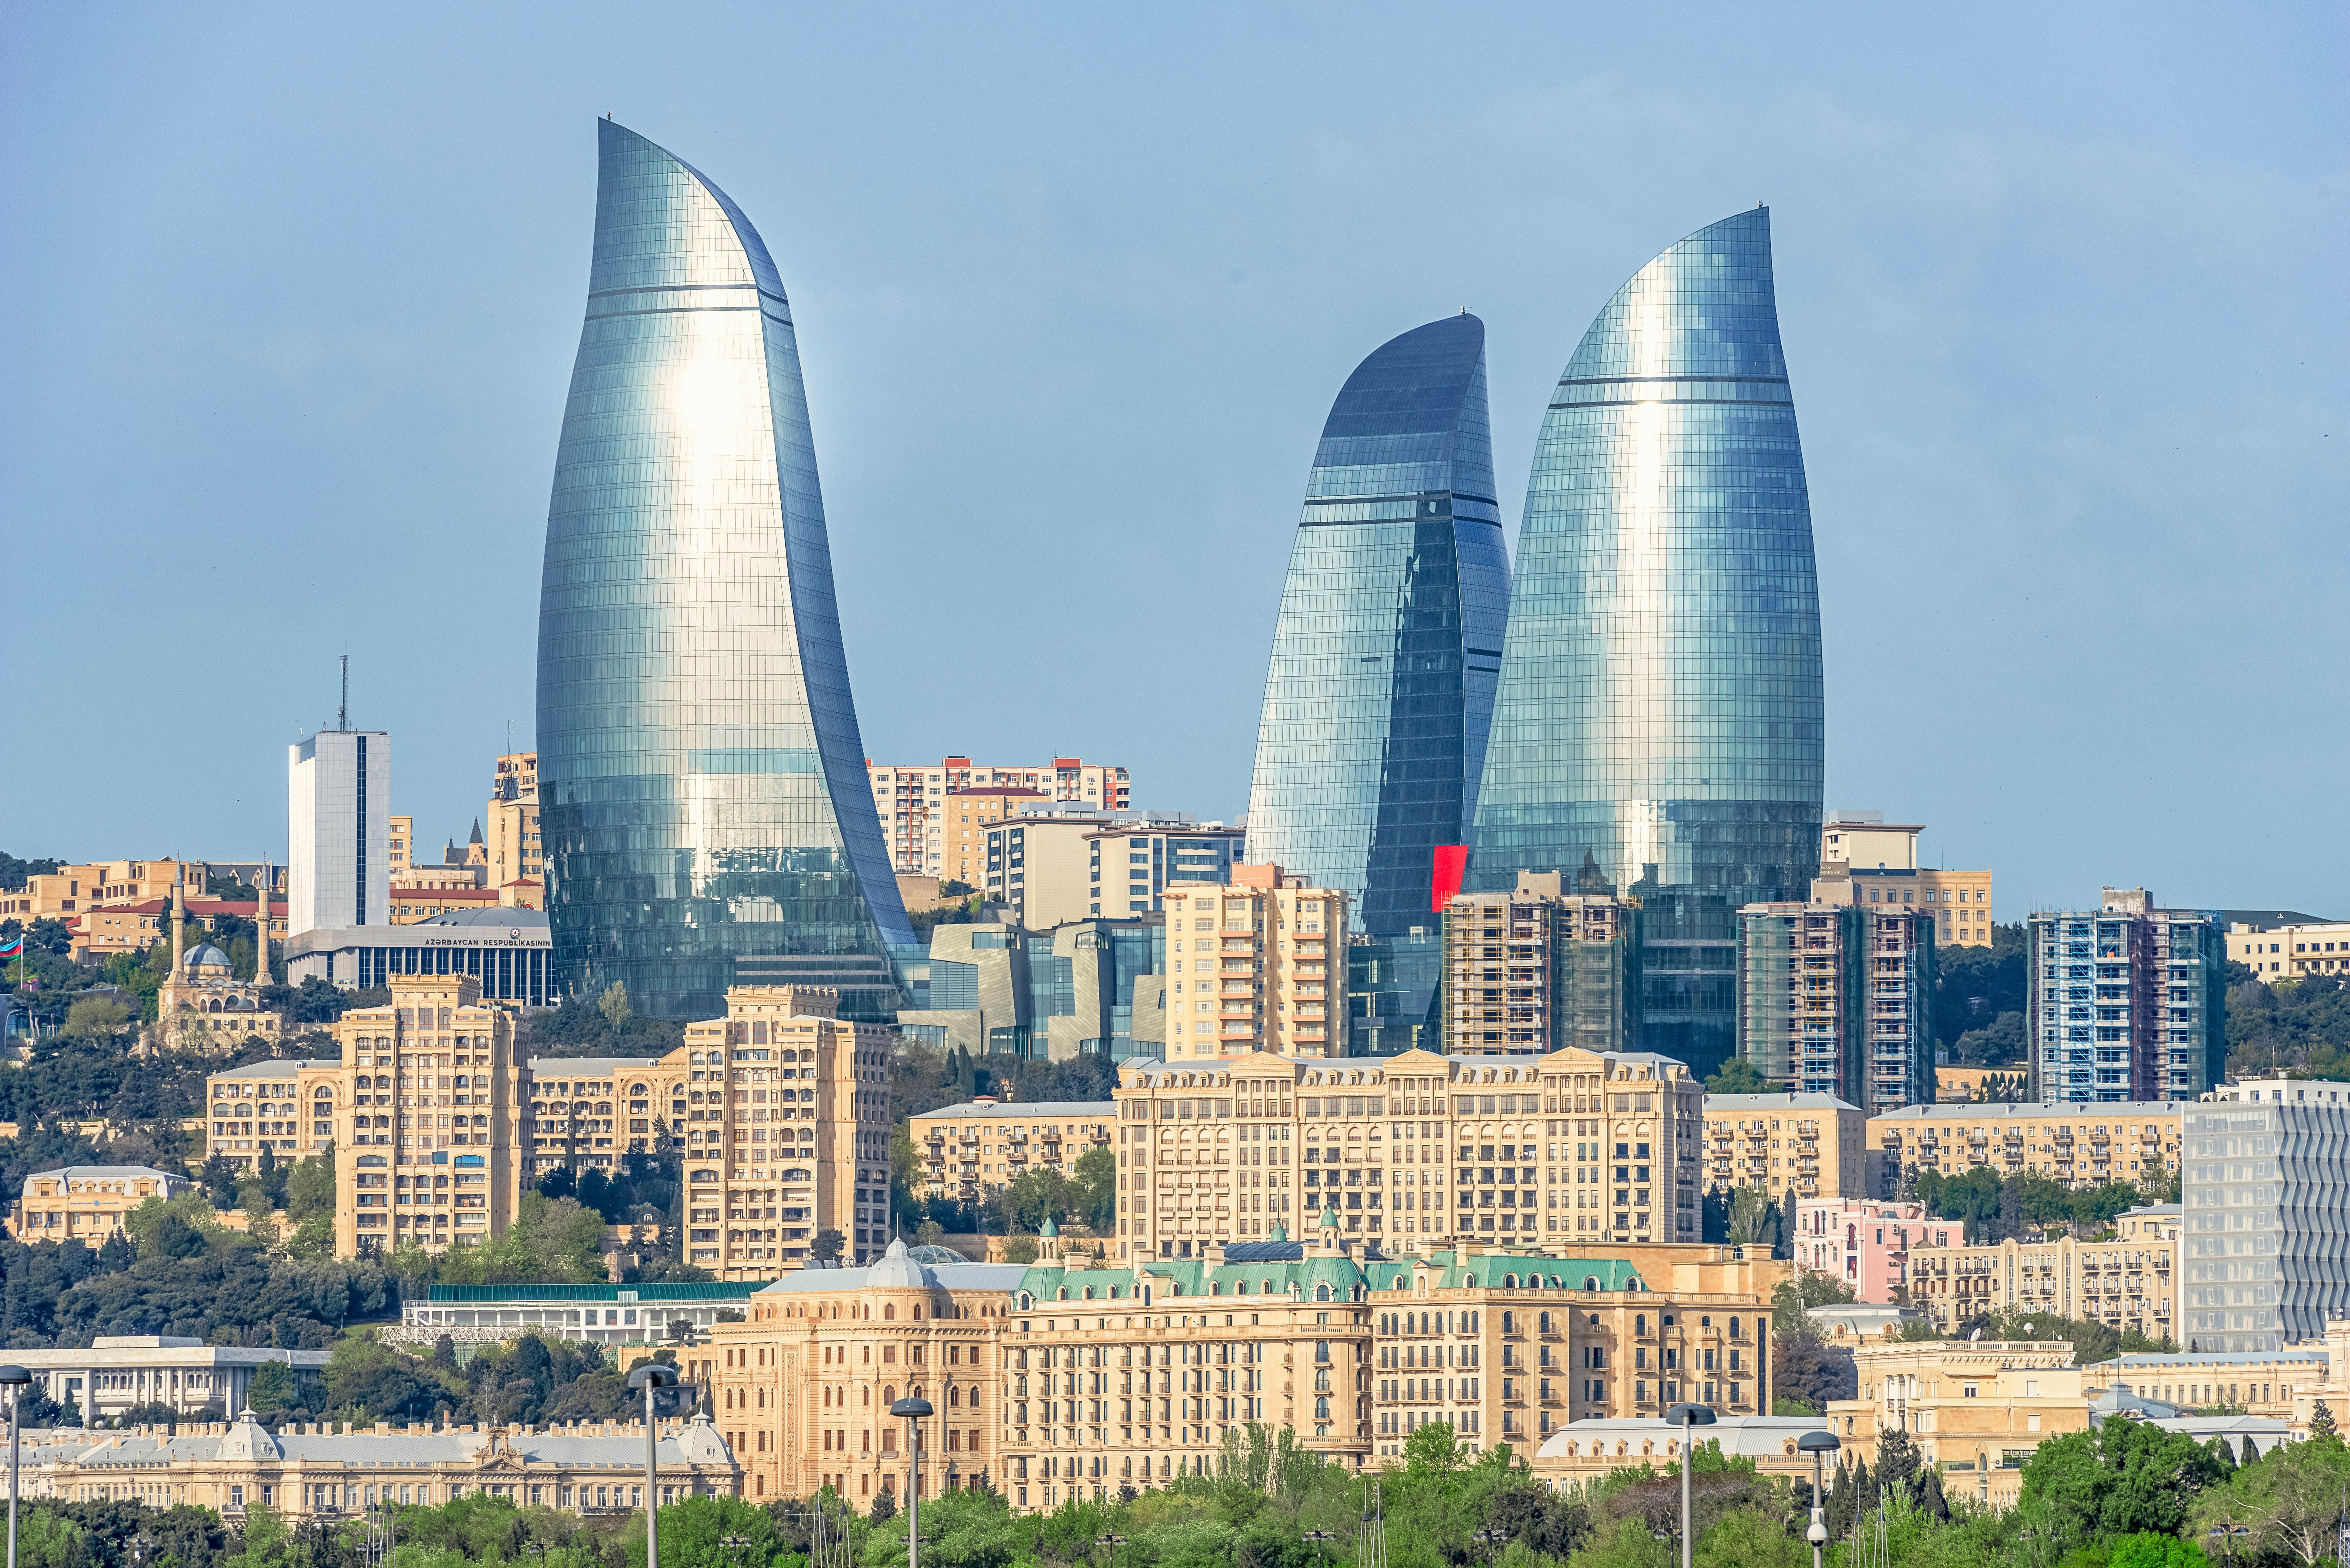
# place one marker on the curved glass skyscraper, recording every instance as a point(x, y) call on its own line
point(1660, 706)
point(701, 784)
point(1380, 686)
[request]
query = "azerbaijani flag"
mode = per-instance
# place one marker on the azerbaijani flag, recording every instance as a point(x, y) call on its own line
point(13, 948)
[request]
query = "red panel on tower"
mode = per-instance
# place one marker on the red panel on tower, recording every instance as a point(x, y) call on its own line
point(1444, 881)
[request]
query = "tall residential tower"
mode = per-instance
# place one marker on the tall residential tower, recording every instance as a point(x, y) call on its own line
point(1659, 706)
point(701, 784)
point(1380, 686)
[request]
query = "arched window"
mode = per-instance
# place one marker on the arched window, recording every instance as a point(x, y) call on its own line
point(1509, 1283)
point(1322, 1293)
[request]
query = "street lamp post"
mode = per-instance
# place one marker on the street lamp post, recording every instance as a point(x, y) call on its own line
point(1319, 1537)
point(1690, 1418)
point(915, 1411)
point(15, 1379)
point(651, 1376)
point(1819, 1444)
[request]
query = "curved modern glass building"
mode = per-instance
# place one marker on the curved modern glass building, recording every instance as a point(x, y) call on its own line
point(703, 801)
point(1388, 641)
point(1660, 705)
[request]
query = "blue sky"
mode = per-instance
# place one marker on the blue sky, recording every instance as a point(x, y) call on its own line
point(292, 295)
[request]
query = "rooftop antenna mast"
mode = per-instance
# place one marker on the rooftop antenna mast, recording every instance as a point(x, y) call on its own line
point(343, 709)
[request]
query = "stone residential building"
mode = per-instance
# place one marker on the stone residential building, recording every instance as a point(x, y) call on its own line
point(86, 1203)
point(1794, 1147)
point(1256, 965)
point(1866, 1245)
point(2082, 1146)
point(259, 1107)
point(2128, 1282)
point(917, 810)
point(1866, 860)
point(1578, 1147)
point(963, 828)
point(1838, 1000)
point(325, 1473)
point(1038, 862)
point(1977, 1408)
point(970, 1149)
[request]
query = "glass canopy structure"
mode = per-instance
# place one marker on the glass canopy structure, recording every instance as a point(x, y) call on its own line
point(701, 784)
point(1660, 704)
point(1385, 653)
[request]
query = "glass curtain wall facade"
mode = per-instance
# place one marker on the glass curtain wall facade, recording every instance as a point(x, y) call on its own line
point(1660, 705)
point(702, 787)
point(1380, 686)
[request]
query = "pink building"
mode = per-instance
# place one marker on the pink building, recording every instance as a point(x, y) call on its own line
point(1866, 1245)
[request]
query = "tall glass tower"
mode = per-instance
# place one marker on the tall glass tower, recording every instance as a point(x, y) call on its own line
point(701, 784)
point(1384, 658)
point(1661, 707)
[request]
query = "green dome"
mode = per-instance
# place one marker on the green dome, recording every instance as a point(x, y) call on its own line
point(1048, 1228)
point(1330, 1218)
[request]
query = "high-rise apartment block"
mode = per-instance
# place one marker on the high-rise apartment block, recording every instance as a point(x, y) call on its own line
point(1133, 864)
point(1038, 864)
point(777, 1114)
point(2128, 1002)
point(1838, 1000)
point(511, 842)
point(1538, 970)
point(1863, 860)
point(916, 813)
point(339, 821)
point(1256, 965)
point(1575, 1148)
point(2267, 1215)
point(2076, 1144)
point(969, 812)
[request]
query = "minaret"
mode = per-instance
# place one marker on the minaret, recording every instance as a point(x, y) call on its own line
point(261, 926)
point(178, 928)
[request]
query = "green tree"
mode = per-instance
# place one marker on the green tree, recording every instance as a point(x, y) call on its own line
point(1434, 1449)
point(1098, 1189)
point(272, 1388)
point(1019, 1248)
point(1753, 1219)
point(614, 1004)
point(1737, 1076)
point(555, 1239)
point(2321, 1421)
point(2290, 1497)
point(827, 1246)
point(2122, 1478)
point(99, 1018)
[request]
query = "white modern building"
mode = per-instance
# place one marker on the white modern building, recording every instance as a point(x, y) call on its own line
point(131, 1370)
point(338, 820)
point(2267, 1215)
point(507, 949)
point(593, 1314)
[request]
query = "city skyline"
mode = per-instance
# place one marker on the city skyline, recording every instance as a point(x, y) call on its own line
point(332, 428)
point(702, 784)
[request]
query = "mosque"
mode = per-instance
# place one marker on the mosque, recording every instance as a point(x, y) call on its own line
point(203, 1007)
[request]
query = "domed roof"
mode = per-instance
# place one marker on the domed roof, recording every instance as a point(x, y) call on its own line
point(898, 1270)
point(207, 954)
point(936, 1255)
point(1048, 1228)
point(1330, 1218)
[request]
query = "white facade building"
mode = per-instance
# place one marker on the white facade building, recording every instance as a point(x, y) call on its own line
point(191, 1376)
point(2267, 1215)
point(338, 820)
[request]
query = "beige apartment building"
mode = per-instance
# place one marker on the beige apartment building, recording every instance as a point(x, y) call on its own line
point(1977, 1408)
point(2128, 1282)
point(1791, 1145)
point(920, 822)
point(780, 1110)
point(1258, 965)
point(1863, 860)
point(510, 839)
point(1578, 1148)
point(1038, 864)
point(87, 1202)
point(71, 890)
point(2292, 952)
point(963, 828)
point(1536, 970)
point(2081, 1143)
point(971, 1149)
